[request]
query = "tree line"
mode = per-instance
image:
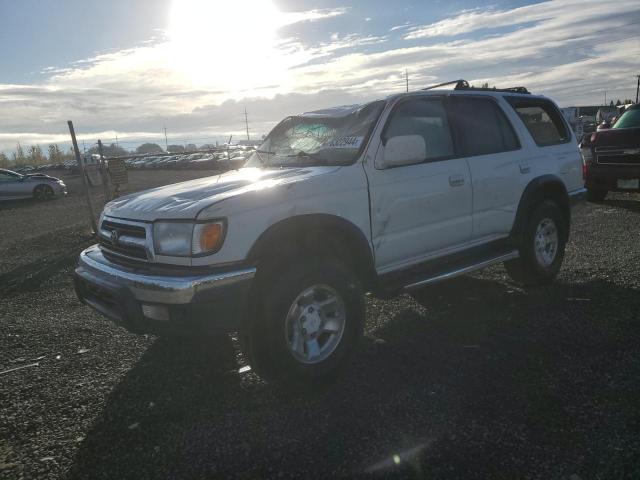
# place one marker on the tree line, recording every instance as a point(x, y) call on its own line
point(35, 156)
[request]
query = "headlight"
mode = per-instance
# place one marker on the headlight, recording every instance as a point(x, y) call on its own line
point(183, 239)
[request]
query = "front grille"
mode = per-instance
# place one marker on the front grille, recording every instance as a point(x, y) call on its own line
point(129, 241)
point(618, 155)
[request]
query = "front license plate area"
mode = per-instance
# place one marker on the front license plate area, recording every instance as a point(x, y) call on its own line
point(630, 184)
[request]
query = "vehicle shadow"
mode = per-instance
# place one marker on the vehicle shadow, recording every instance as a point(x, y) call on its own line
point(11, 204)
point(479, 379)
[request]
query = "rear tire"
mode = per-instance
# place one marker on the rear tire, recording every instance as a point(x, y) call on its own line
point(296, 333)
point(541, 248)
point(596, 195)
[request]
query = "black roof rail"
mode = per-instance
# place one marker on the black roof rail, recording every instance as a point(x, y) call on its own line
point(459, 85)
point(464, 85)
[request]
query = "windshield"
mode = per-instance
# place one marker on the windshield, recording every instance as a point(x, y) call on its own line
point(629, 119)
point(318, 139)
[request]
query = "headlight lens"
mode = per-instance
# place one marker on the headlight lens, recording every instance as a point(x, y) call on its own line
point(186, 238)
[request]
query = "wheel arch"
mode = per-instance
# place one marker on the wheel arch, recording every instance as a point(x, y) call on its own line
point(320, 234)
point(545, 187)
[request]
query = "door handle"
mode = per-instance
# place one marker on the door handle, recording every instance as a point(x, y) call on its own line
point(525, 168)
point(456, 180)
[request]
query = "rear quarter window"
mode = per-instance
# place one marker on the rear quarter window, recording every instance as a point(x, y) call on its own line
point(542, 119)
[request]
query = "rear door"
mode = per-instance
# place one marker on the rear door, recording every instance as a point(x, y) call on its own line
point(500, 168)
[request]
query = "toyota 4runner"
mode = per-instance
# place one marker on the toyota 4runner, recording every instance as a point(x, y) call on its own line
point(385, 197)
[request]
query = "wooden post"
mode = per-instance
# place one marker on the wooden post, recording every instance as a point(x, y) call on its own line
point(80, 161)
point(104, 175)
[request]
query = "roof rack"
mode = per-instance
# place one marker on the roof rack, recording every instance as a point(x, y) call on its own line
point(460, 84)
point(464, 85)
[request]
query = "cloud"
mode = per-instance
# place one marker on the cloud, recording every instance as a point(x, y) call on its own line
point(572, 51)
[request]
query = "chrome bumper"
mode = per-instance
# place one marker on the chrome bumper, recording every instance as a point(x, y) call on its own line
point(156, 288)
point(164, 304)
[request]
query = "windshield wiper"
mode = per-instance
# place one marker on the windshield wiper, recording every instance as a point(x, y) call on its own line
point(310, 156)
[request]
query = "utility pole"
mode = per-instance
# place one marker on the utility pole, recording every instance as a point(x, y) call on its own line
point(406, 77)
point(605, 98)
point(637, 87)
point(83, 176)
point(246, 122)
point(166, 144)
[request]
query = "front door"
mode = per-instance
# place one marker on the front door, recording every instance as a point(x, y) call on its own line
point(422, 209)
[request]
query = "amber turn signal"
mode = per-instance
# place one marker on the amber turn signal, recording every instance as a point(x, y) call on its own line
point(207, 237)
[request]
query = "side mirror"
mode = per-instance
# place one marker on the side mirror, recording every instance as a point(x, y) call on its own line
point(403, 150)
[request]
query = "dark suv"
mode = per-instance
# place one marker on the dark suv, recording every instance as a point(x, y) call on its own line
point(612, 157)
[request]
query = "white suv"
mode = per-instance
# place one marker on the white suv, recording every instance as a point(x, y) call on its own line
point(383, 197)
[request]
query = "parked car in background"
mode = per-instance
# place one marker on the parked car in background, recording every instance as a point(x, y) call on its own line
point(385, 197)
point(612, 156)
point(14, 186)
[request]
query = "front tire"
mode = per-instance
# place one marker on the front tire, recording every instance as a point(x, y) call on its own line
point(306, 322)
point(43, 192)
point(541, 247)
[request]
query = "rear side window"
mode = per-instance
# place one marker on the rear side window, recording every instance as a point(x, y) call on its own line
point(542, 119)
point(427, 118)
point(482, 127)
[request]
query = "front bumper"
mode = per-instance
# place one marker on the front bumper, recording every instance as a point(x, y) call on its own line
point(163, 304)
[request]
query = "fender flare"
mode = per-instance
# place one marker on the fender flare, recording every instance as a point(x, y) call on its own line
point(538, 189)
point(353, 238)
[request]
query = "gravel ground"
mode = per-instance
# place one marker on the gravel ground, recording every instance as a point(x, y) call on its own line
point(477, 379)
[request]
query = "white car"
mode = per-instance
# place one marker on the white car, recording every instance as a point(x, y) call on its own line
point(384, 197)
point(15, 186)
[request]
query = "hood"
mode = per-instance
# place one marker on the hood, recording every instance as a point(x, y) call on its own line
point(40, 176)
point(186, 199)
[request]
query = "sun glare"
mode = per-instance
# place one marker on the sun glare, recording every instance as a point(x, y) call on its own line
point(229, 44)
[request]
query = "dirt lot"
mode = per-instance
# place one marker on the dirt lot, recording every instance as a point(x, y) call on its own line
point(481, 379)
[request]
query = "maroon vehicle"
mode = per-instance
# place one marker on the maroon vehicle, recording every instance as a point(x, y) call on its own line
point(612, 157)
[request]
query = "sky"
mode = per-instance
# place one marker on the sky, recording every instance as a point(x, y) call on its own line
point(130, 68)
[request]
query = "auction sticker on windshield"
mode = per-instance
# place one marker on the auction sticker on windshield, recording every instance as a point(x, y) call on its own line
point(343, 142)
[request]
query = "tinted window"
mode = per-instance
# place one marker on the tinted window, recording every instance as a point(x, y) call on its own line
point(427, 118)
point(542, 120)
point(7, 177)
point(482, 127)
point(629, 119)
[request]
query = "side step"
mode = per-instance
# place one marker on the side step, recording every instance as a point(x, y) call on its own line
point(441, 276)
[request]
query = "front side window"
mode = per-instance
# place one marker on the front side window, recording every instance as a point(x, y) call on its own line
point(330, 137)
point(629, 119)
point(482, 126)
point(542, 119)
point(426, 118)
